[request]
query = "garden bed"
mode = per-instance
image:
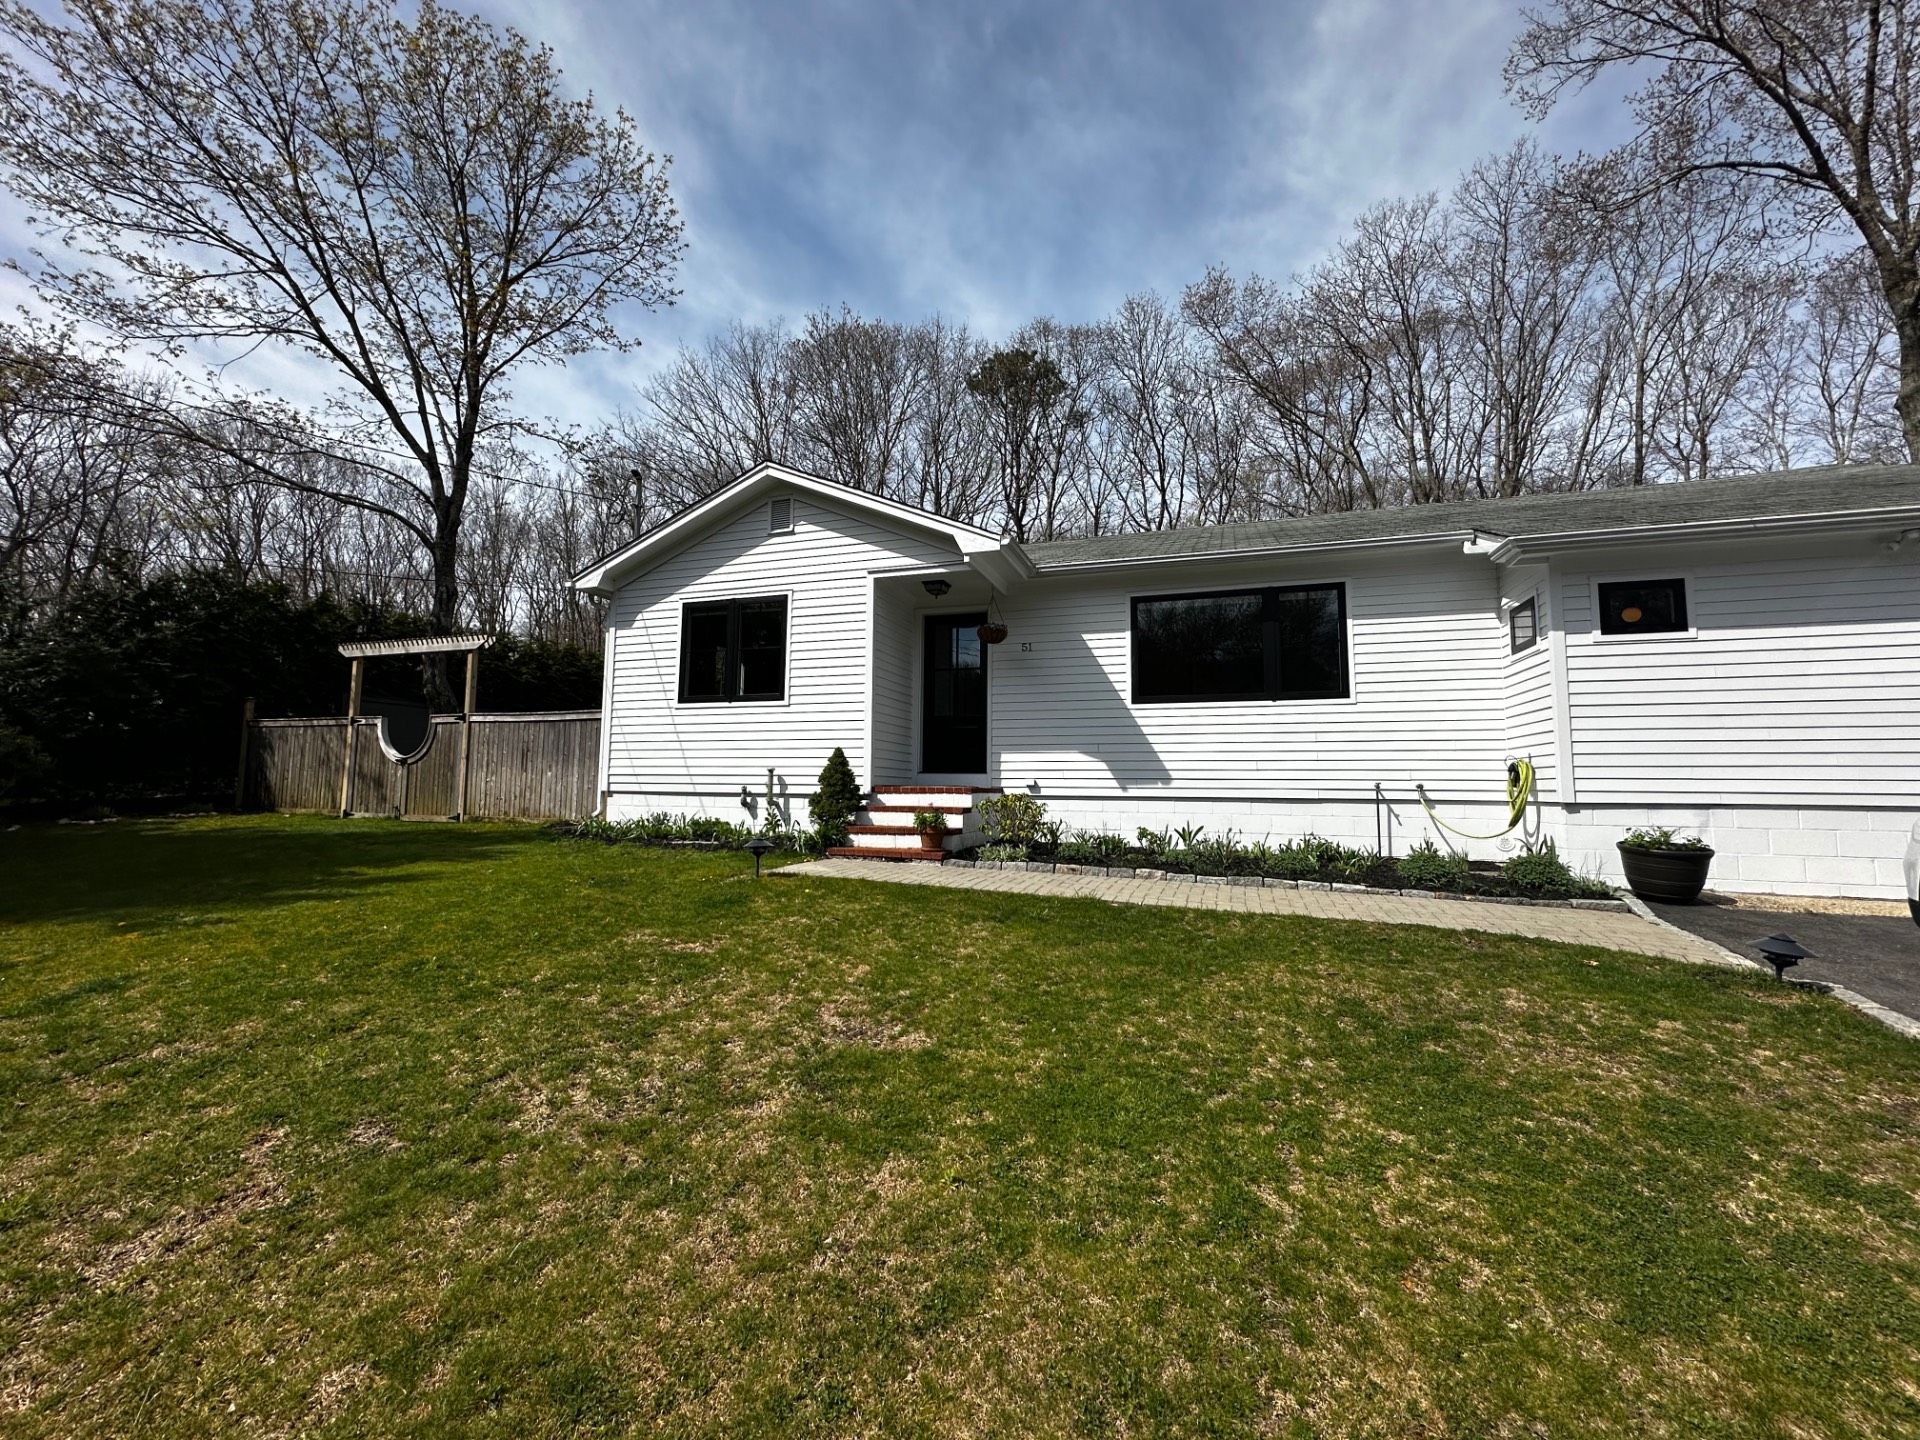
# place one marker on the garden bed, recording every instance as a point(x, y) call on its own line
point(1024, 839)
point(1484, 882)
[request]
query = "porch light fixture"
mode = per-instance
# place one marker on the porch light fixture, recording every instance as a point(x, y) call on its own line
point(935, 588)
point(1782, 952)
point(759, 846)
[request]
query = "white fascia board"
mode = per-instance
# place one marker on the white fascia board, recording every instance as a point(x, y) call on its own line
point(610, 572)
point(1511, 550)
point(1267, 552)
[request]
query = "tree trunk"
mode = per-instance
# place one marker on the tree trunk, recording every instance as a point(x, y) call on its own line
point(436, 670)
point(1900, 279)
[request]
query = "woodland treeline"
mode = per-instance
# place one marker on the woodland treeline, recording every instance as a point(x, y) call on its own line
point(1524, 332)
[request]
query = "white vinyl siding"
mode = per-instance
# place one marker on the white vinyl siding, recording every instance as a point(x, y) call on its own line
point(1529, 683)
point(895, 679)
point(1799, 686)
point(1427, 648)
point(684, 754)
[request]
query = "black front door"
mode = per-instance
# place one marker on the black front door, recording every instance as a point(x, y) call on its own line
point(953, 710)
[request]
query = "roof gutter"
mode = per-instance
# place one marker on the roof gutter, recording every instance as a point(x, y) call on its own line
point(1517, 548)
point(1265, 552)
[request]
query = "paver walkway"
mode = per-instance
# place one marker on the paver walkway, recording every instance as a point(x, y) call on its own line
point(1609, 929)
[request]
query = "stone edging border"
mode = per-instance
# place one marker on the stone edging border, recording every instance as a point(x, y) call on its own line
point(1873, 1009)
point(1256, 882)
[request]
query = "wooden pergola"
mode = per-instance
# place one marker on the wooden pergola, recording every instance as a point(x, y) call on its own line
point(361, 651)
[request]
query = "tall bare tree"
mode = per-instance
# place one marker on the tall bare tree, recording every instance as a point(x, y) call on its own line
point(1818, 101)
point(417, 203)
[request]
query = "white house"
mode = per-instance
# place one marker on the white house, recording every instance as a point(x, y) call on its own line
point(1738, 657)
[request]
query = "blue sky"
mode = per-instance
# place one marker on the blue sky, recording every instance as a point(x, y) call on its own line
point(997, 161)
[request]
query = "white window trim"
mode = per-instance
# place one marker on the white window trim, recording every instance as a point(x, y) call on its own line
point(709, 707)
point(1670, 572)
point(1512, 607)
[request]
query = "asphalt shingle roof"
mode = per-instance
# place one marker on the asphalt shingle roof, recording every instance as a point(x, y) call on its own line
point(1824, 491)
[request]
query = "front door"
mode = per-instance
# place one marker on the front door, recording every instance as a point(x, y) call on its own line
point(953, 709)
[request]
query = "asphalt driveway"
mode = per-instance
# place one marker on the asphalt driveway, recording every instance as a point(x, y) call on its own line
point(1877, 955)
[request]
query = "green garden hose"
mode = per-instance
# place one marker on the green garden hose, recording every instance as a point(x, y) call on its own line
point(1519, 792)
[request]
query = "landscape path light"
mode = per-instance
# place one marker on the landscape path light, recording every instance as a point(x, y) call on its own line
point(1781, 952)
point(759, 845)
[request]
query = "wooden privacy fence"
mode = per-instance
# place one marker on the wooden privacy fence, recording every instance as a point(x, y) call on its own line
point(540, 766)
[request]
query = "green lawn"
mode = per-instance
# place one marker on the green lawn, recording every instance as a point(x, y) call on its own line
point(406, 1130)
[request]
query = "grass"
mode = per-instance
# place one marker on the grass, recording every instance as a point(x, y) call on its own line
point(391, 1130)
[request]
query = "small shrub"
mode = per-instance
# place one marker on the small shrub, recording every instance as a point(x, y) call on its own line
point(1092, 847)
point(1014, 819)
point(1189, 835)
point(1153, 843)
point(1048, 834)
point(1003, 853)
point(1426, 868)
point(1539, 868)
point(1302, 859)
point(1219, 856)
point(832, 806)
point(1352, 865)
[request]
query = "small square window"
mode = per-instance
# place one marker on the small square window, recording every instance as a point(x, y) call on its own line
point(780, 516)
point(1643, 607)
point(1523, 627)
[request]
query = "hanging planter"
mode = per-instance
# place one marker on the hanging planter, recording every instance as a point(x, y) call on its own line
point(995, 630)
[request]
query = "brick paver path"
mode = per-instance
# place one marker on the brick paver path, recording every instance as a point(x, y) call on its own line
point(1609, 929)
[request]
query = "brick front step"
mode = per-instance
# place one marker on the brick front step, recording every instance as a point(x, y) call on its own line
point(858, 852)
point(881, 830)
point(913, 809)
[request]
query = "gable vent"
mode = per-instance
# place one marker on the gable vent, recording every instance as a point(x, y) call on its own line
point(779, 516)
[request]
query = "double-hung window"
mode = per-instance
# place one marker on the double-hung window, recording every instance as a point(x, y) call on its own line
point(1276, 643)
point(733, 650)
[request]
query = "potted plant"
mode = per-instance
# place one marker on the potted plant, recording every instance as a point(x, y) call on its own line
point(1662, 864)
point(932, 825)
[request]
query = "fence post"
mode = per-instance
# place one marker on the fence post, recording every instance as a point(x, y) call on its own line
point(466, 735)
point(353, 710)
point(246, 737)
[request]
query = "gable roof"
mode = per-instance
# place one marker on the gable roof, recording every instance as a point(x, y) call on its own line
point(611, 571)
point(1783, 498)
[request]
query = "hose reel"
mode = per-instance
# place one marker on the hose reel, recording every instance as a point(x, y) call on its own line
point(1519, 792)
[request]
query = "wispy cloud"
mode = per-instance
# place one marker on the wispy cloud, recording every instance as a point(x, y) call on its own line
point(997, 161)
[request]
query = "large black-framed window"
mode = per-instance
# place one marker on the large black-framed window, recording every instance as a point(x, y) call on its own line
point(1643, 607)
point(733, 650)
point(1286, 642)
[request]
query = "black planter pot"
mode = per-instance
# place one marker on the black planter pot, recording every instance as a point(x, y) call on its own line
point(1674, 876)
